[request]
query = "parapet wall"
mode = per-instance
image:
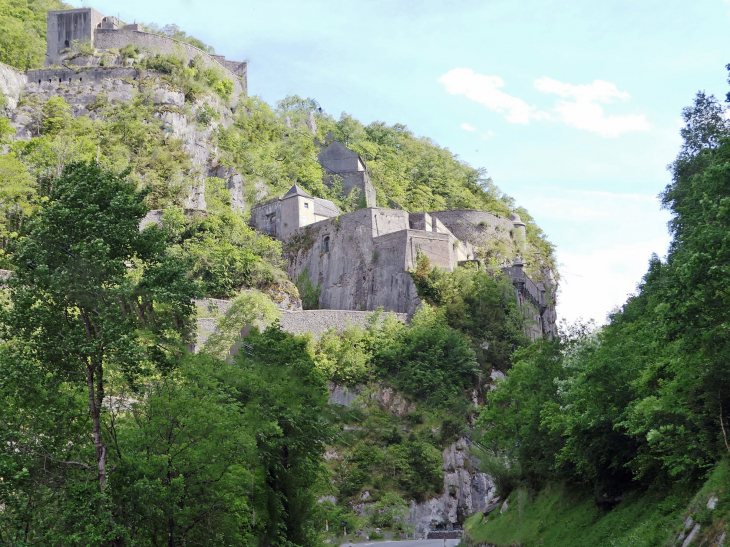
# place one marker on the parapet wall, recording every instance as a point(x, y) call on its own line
point(83, 74)
point(117, 39)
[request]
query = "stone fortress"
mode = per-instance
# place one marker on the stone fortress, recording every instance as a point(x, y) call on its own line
point(360, 261)
point(357, 261)
point(68, 29)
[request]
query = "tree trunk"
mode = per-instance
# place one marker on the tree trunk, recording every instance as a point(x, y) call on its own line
point(96, 396)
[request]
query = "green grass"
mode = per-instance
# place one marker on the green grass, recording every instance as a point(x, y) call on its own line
point(562, 517)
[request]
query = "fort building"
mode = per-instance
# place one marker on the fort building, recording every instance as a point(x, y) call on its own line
point(339, 161)
point(67, 29)
point(361, 260)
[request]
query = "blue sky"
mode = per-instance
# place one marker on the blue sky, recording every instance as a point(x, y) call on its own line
point(572, 106)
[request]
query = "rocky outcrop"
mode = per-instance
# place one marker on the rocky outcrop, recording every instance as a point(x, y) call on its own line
point(466, 491)
point(84, 87)
point(12, 84)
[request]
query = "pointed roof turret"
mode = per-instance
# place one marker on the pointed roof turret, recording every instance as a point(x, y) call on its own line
point(296, 191)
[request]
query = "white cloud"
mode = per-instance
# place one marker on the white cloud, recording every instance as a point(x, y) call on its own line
point(467, 127)
point(595, 283)
point(583, 111)
point(485, 90)
point(488, 135)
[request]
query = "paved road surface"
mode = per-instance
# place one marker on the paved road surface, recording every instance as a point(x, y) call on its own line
point(406, 543)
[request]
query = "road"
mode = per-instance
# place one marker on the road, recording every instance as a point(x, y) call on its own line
point(406, 543)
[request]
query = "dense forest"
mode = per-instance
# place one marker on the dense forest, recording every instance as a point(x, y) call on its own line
point(642, 403)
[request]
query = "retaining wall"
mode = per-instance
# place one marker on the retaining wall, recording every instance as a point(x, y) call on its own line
point(80, 75)
point(319, 321)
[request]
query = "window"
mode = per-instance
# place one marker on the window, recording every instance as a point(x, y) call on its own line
point(306, 205)
point(326, 244)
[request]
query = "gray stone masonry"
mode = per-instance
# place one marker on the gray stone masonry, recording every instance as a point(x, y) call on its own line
point(360, 260)
point(86, 25)
point(64, 27)
point(317, 322)
point(352, 268)
point(339, 160)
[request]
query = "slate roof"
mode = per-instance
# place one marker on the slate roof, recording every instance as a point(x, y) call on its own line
point(296, 191)
point(325, 208)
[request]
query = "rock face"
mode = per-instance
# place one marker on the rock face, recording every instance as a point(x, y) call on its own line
point(83, 87)
point(12, 84)
point(466, 491)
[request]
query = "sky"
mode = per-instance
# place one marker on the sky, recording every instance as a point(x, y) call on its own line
point(573, 107)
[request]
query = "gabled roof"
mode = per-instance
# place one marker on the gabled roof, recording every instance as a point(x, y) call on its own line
point(296, 191)
point(339, 150)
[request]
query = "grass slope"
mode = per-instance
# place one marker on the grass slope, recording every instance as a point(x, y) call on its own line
point(560, 517)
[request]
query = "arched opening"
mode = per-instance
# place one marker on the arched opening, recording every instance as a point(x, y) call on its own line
point(66, 43)
point(326, 244)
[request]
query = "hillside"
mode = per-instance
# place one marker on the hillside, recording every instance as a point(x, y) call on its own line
point(165, 443)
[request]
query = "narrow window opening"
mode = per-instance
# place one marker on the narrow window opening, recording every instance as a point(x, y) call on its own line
point(306, 205)
point(66, 42)
point(326, 244)
point(39, 82)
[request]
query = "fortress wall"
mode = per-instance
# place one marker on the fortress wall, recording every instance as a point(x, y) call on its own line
point(385, 221)
point(12, 83)
point(89, 75)
point(354, 274)
point(470, 216)
point(437, 247)
point(479, 228)
point(319, 321)
point(65, 27)
point(117, 39)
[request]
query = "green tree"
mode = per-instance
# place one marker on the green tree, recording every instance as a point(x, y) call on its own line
point(284, 395)
point(91, 295)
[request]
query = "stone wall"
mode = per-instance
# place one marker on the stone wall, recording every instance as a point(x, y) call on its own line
point(354, 274)
point(117, 39)
point(80, 75)
point(317, 322)
point(479, 228)
point(65, 27)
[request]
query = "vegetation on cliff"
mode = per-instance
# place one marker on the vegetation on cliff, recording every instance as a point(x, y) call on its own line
point(23, 31)
point(113, 432)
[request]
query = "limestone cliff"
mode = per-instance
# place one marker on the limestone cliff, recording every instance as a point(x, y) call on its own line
point(466, 490)
point(84, 87)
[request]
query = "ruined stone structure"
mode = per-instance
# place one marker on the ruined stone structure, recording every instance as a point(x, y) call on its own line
point(67, 28)
point(339, 161)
